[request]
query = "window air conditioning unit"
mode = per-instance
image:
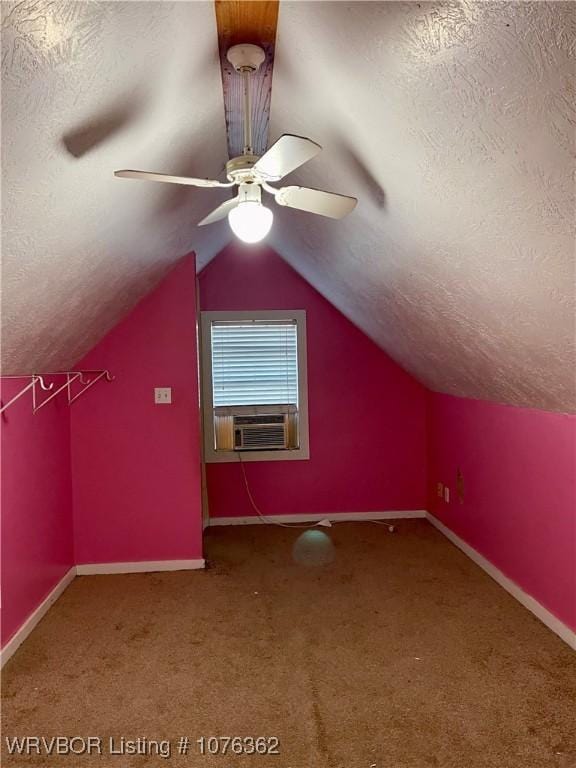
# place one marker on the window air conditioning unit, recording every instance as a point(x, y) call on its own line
point(256, 428)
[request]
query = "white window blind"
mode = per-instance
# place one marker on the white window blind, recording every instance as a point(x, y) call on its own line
point(254, 363)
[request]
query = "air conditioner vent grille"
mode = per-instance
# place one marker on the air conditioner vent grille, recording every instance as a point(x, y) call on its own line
point(260, 437)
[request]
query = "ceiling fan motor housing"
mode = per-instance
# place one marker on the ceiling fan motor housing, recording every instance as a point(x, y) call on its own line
point(239, 169)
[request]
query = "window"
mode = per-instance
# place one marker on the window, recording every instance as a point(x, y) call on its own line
point(254, 363)
point(254, 385)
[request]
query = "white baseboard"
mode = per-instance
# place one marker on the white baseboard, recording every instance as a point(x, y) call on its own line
point(547, 618)
point(147, 566)
point(335, 517)
point(17, 639)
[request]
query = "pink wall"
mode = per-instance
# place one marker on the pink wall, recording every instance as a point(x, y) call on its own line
point(134, 490)
point(356, 392)
point(136, 465)
point(519, 508)
point(36, 495)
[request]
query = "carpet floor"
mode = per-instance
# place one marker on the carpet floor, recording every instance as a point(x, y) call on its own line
point(352, 647)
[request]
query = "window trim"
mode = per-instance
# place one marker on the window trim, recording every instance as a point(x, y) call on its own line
point(211, 456)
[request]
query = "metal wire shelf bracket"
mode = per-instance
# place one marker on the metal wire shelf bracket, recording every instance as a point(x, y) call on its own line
point(32, 385)
point(86, 378)
point(89, 383)
point(70, 377)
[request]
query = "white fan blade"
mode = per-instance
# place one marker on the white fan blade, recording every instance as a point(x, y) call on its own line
point(316, 201)
point(148, 176)
point(220, 213)
point(284, 156)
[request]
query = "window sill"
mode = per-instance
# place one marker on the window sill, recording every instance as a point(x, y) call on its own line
point(219, 457)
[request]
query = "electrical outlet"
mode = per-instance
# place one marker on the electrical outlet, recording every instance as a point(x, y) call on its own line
point(446, 494)
point(440, 490)
point(460, 485)
point(163, 395)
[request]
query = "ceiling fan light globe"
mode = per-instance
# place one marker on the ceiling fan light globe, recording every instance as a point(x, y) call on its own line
point(250, 221)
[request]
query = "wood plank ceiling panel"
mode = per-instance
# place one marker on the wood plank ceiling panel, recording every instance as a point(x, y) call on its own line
point(247, 21)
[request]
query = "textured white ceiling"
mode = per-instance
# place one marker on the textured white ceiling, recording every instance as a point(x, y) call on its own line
point(80, 247)
point(454, 126)
point(452, 123)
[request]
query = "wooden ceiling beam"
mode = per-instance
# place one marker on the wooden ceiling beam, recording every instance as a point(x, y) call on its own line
point(247, 21)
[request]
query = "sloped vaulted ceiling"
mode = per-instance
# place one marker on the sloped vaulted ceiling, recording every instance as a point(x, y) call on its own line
point(454, 126)
point(453, 123)
point(89, 87)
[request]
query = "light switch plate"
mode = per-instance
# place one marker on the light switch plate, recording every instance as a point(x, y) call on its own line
point(163, 395)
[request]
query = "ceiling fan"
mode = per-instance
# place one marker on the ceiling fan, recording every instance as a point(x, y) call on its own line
point(248, 218)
